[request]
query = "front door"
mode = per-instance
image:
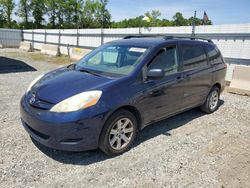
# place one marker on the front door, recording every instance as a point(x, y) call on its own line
point(163, 97)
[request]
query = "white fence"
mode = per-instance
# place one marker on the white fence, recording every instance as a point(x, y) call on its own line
point(10, 38)
point(233, 40)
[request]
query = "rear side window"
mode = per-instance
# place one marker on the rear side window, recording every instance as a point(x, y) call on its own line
point(166, 60)
point(193, 56)
point(214, 55)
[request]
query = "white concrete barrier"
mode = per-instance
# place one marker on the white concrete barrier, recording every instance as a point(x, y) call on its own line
point(241, 80)
point(50, 49)
point(78, 53)
point(27, 46)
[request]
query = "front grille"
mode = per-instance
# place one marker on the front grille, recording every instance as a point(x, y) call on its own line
point(36, 102)
point(41, 135)
point(41, 104)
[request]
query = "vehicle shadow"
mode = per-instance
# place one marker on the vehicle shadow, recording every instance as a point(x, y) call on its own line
point(89, 157)
point(9, 65)
point(163, 127)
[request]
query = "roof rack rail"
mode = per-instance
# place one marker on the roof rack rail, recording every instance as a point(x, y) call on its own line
point(167, 37)
point(191, 38)
point(142, 36)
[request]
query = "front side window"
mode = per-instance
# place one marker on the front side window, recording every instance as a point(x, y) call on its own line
point(166, 60)
point(114, 60)
point(193, 56)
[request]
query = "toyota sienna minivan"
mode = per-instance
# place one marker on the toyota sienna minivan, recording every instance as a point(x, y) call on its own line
point(119, 88)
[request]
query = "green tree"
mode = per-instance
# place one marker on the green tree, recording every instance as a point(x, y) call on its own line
point(38, 10)
point(2, 18)
point(209, 22)
point(153, 15)
point(61, 13)
point(179, 20)
point(88, 15)
point(7, 7)
point(77, 11)
point(154, 19)
point(102, 15)
point(198, 21)
point(72, 11)
point(95, 14)
point(24, 11)
point(64, 13)
point(138, 21)
point(51, 9)
point(166, 22)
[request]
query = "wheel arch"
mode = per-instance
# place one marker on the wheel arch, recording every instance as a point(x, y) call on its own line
point(131, 109)
point(217, 85)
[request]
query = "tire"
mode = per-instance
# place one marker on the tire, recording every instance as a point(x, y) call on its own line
point(118, 133)
point(212, 101)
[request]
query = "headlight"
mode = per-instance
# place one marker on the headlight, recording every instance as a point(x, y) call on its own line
point(77, 102)
point(33, 82)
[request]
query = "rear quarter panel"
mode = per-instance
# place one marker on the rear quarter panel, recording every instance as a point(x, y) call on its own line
point(219, 75)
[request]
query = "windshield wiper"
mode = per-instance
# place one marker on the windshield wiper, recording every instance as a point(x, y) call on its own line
point(88, 71)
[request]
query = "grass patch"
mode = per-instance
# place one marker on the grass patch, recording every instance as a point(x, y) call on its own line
point(61, 60)
point(37, 56)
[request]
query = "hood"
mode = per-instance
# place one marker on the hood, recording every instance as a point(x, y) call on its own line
point(63, 83)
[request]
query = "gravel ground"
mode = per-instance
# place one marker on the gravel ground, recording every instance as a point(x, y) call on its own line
point(189, 150)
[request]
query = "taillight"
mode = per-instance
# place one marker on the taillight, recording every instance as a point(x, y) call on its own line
point(225, 65)
point(224, 62)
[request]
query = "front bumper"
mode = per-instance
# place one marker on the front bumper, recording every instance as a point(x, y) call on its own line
point(75, 131)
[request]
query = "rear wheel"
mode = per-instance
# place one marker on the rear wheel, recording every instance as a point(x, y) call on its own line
point(212, 102)
point(118, 133)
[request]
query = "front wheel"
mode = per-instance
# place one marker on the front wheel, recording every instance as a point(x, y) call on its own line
point(212, 102)
point(118, 133)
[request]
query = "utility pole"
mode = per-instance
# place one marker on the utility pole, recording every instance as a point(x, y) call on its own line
point(193, 25)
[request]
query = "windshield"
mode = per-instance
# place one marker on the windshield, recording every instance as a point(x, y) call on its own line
point(112, 60)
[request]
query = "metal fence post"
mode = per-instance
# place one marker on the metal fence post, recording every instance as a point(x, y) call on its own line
point(32, 43)
point(77, 37)
point(45, 37)
point(68, 50)
point(59, 43)
point(140, 30)
point(22, 35)
point(102, 36)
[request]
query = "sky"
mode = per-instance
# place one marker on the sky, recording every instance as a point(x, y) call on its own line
point(219, 11)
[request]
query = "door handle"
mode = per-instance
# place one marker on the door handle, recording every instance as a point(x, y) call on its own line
point(187, 76)
point(155, 92)
point(179, 78)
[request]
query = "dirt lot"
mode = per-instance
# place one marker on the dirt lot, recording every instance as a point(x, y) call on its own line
point(189, 150)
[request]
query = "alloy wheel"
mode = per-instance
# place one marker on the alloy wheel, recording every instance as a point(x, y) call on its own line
point(214, 99)
point(121, 133)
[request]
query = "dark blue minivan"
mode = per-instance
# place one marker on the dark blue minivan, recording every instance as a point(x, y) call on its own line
point(119, 88)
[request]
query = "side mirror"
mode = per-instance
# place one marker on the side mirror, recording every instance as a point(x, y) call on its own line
point(155, 74)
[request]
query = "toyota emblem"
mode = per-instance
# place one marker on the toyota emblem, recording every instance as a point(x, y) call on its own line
point(32, 100)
